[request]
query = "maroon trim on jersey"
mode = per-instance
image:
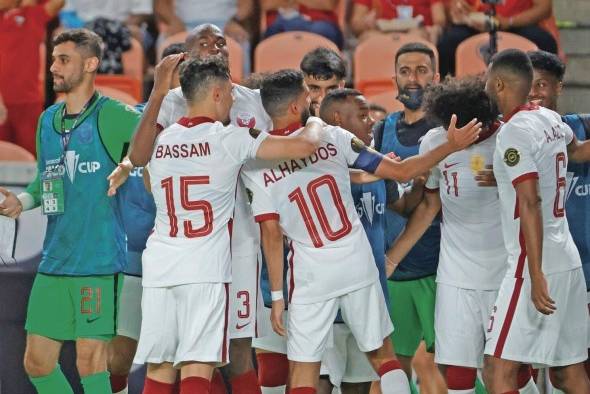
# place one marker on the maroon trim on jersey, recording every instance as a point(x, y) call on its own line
point(524, 107)
point(525, 177)
point(257, 295)
point(192, 122)
point(521, 257)
point(291, 273)
point(266, 216)
point(225, 325)
point(488, 132)
point(159, 128)
point(429, 190)
point(286, 130)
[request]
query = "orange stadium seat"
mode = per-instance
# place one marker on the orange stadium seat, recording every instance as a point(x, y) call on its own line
point(13, 152)
point(386, 99)
point(236, 53)
point(469, 58)
point(133, 61)
point(373, 60)
point(117, 95)
point(124, 83)
point(285, 50)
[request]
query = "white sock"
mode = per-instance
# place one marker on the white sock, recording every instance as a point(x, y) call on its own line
point(530, 388)
point(273, 390)
point(124, 391)
point(395, 382)
point(469, 391)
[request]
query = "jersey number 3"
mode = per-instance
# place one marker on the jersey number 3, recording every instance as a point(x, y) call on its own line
point(298, 198)
point(189, 205)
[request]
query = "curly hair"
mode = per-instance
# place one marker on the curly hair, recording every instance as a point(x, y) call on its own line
point(464, 97)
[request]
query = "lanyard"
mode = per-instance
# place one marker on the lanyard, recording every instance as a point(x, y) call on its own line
point(66, 134)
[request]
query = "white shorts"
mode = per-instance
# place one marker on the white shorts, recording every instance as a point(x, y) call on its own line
point(129, 314)
point(310, 325)
point(271, 342)
point(588, 298)
point(184, 323)
point(245, 297)
point(519, 332)
point(461, 318)
point(344, 361)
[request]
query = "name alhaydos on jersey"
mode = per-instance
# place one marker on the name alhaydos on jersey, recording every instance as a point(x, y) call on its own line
point(555, 134)
point(183, 151)
point(72, 165)
point(288, 167)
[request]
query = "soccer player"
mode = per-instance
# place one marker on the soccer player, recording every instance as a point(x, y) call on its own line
point(548, 71)
point(541, 308)
point(138, 213)
point(323, 70)
point(186, 265)
point(335, 268)
point(412, 287)
point(163, 110)
point(74, 294)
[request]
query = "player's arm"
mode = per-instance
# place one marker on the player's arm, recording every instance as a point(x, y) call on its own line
point(146, 179)
point(301, 145)
point(416, 226)
point(405, 170)
point(407, 201)
point(578, 151)
point(52, 7)
point(360, 177)
point(531, 225)
point(148, 129)
point(272, 245)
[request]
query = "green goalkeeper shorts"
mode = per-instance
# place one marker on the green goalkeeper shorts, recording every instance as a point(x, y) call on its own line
point(72, 307)
point(412, 314)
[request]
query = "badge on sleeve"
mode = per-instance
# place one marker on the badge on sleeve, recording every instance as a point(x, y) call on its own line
point(511, 157)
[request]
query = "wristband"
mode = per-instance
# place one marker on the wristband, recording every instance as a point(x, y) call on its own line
point(276, 295)
point(391, 262)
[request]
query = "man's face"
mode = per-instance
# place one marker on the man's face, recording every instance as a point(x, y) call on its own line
point(545, 90)
point(318, 88)
point(357, 119)
point(414, 71)
point(209, 42)
point(67, 67)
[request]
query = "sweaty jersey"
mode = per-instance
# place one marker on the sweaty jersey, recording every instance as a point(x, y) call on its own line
point(472, 252)
point(88, 238)
point(532, 144)
point(246, 111)
point(311, 198)
point(193, 175)
point(577, 207)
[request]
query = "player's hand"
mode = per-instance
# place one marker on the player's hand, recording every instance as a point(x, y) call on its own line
point(164, 72)
point(393, 156)
point(10, 205)
point(119, 176)
point(486, 177)
point(461, 138)
point(276, 317)
point(540, 295)
point(390, 266)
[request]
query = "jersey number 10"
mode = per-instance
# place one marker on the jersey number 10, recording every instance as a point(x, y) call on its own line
point(298, 198)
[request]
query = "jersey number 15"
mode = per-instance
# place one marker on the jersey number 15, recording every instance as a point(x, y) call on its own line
point(189, 205)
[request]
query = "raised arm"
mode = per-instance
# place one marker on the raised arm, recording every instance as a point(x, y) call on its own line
point(302, 145)
point(272, 245)
point(416, 226)
point(52, 7)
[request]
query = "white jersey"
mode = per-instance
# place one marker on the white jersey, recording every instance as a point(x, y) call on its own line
point(330, 254)
point(472, 251)
point(193, 175)
point(246, 111)
point(532, 144)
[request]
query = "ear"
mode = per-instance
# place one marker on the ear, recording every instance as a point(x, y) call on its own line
point(499, 84)
point(294, 108)
point(436, 78)
point(91, 64)
point(216, 93)
point(337, 118)
point(394, 81)
point(559, 88)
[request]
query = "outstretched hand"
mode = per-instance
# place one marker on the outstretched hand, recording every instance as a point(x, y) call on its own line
point(165, 71)
point(10, 205)
point(119, 176)
point(463, 137)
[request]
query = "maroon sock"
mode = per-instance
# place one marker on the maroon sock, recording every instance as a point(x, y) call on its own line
point(273, 369)
point(118, 382)
point(460, 378)
point(217, 383)
point(302, 390)
point(524, 375)
point(194, 385)
point(246, 383)
point(154, 387)
point(389, 366)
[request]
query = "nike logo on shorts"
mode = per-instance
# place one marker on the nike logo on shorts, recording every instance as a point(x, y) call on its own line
point(89, 320)
point(240, 326)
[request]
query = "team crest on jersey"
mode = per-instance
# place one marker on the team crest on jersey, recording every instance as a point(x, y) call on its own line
point(511, 157)
point(357, 144)
point(246, 120)
point(477, 163)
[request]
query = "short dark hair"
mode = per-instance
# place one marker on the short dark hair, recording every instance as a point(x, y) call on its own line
point(279, 89)
point(322, 64)
point(336, 96)
point(515, 62)
point(465, 97)
point(84, 39)
point(174, 49)
point(377, 107)
point(419, 47)
point(549, 62)
point(196, 76)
